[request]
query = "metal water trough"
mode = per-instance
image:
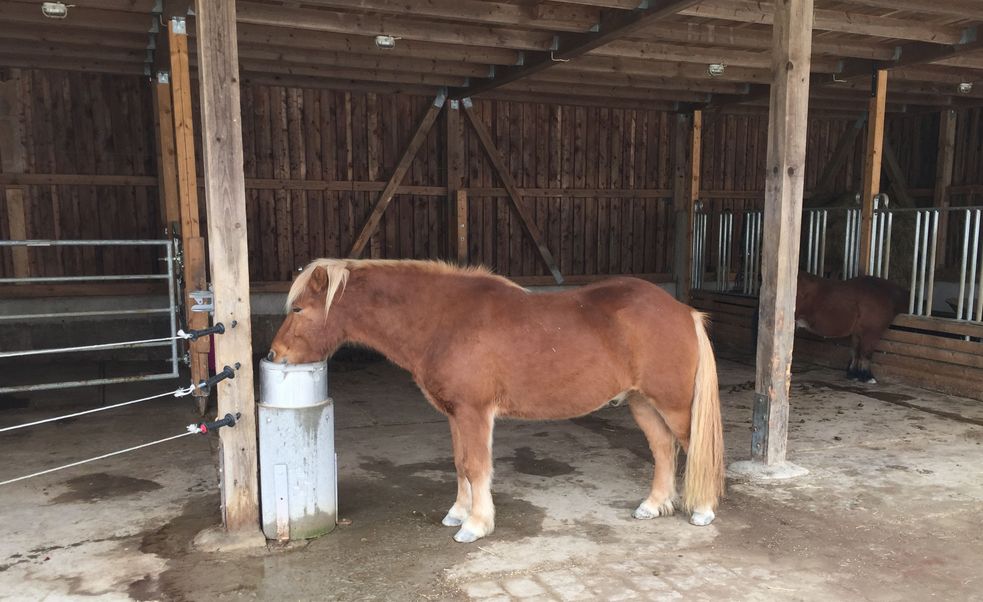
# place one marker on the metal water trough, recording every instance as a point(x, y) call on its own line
point(297, 463)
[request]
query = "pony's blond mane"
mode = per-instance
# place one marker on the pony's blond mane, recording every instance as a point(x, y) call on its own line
point(338, 271)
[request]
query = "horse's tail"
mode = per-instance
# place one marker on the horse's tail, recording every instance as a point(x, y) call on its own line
point(704, 480)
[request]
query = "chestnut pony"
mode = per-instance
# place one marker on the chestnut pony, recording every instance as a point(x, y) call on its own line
point(860, 308)
point(481, 347)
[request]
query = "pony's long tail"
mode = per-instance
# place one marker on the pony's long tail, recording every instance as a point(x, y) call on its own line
point(704, 480)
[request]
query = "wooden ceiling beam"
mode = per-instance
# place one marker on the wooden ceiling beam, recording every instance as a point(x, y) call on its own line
point(72, 64)
point(702, 55)
point(346, 73)
point(79, 17)
point(531, 86)
point(957, 9)
point(58, 35)
point(327, 83)
point(704, 34)
point(643, 68)
point(622, 4)
point(607, 102)
point(578, 78)
point(841, 21)
point(299, 38)
point(72, 51)
point(372, 24)
point(612, 26)
point(133, 6)
point(484, 12)
point(310, 58)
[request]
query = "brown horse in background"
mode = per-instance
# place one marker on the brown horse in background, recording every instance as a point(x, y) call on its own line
point(481, 348)
point(860, 308)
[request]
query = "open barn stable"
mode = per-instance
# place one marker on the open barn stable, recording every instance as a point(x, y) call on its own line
point(151, 149)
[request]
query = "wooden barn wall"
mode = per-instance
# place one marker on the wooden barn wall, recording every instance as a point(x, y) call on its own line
point(967, 169)
point(92, 124)
point(316, 160)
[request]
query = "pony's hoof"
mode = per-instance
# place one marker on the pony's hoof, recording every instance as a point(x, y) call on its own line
point(466, 535)
point(647, 511)
point(702, 518)
point(871, 381)
point(452, 521)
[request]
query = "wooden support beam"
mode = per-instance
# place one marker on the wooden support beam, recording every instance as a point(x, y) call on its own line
point(461, 230)
point(612, 26)
point(785, 179)
point(454, 156)
point(386, 196)
point(943, 175)
point(824, 188)
point(277, 38)
point(225, 195)
point(841, 21)
point(687, 151)
point(13, 160)
point(369, 24)
point(195, 277)
point(872, 163)
point(525, 215)
point(167, 184)
point(899, 183)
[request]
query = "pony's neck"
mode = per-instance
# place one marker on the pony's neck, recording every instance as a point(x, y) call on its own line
point(391, 311)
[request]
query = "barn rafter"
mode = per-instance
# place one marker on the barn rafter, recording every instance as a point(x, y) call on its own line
point(596, 49)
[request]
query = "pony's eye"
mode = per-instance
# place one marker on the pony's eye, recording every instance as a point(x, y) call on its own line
point(296, 310)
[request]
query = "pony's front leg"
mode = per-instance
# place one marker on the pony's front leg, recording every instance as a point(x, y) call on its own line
point(462, 505)
point(475, 426)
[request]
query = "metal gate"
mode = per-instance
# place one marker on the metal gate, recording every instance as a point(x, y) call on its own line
point(167, 248)
point(920, 236)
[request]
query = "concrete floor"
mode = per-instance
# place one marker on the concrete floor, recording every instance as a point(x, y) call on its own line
point(889, 511)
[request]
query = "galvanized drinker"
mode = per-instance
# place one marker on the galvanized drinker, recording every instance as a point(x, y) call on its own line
point(297, 467)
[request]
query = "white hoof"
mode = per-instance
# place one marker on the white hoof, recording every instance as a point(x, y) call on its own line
point(872, 381)
point(452, 521)
point(472, 531)
point(702, 518)
point(465, 535)
point(646, 510)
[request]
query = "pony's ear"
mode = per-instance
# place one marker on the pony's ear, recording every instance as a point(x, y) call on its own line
point(319, 280)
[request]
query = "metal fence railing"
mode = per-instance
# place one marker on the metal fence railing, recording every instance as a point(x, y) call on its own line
point(171, 311)
point(909, 246)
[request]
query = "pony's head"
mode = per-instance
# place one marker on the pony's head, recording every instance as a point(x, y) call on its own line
point(309, 334)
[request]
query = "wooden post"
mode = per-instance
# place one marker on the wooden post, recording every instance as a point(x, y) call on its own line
point(13, 160)
point(525, 216)
point(455, 179)
point(372, 223)
point(787, 121)
point(166, 155)
point(193, 245)
point(225, 198)
point(943, 176)
point(462, 226)
point(872, 164)
point(686, 193)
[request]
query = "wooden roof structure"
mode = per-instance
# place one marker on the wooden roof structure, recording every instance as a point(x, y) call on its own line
point(631, 53)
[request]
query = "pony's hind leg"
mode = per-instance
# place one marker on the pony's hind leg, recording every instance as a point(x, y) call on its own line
point(865, 351)
point(853, 371)
point(475, 431)
point(462, 505)
point(662, 497)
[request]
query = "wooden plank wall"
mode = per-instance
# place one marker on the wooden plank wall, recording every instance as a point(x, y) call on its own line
point(315, 160)
point(88, 123)
point(584, 151)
